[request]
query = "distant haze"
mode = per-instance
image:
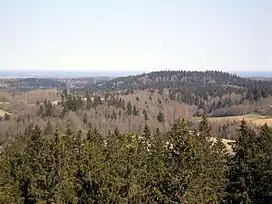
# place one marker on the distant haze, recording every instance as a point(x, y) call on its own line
point(79, 74)
point(61, 74)
point(142, 35)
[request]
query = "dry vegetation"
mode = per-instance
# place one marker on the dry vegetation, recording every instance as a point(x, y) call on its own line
point(251, 118)
point(23, 109)
point(89, 132)
point(31, 97)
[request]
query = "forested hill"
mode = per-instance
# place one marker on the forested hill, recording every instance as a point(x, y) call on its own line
point(34, 83)
point(178, 79)
point(212, 92)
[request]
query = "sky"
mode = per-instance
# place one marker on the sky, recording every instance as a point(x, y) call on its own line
point(136, 35)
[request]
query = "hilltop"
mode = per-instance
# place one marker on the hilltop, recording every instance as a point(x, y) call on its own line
point(214, 93)
point(157, 99)
point(177, 79)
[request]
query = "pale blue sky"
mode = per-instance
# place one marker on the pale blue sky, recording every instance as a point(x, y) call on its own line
point(138, 35)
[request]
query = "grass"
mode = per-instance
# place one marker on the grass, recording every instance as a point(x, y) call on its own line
point(31, 97)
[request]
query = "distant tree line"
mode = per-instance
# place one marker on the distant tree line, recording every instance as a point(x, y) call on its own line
point(214, 93)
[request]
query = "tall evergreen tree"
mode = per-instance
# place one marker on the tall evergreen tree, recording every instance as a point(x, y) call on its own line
point(134, 111)
point(240, 175)
point(160, 117)
point(145, 115)
point(129, 108)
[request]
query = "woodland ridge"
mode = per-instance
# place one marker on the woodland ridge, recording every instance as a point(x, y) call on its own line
point(159, 137)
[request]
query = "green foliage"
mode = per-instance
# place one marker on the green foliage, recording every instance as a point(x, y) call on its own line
point(160, 117)
point(48, 130)
point(179, 166)
point(159, 101)
point(129, 108)
point(113, 115)
point(135, 111)
point(145, 115)
point(250, 170)
point(199, 89)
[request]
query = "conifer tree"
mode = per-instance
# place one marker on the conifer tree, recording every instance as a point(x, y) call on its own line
point(160, 117)
point(85, 118)
point(134, 111)
point(129, 108)
point(113, 115)
point(240, 176)
point(145, 115)
point(147, 133)
point(48, 129)
point(193, 174)
point(263, 170)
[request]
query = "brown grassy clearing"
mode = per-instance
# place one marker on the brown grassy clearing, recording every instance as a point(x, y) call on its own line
point(252, 118)
point(31, 97)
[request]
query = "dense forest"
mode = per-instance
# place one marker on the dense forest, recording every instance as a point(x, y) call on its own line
point(159, 104)
point(140, 139)
point(178, 166)
point(214, 93)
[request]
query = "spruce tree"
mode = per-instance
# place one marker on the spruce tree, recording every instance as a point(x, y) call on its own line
point(113, 115)
point(262, 170)
point(241, 185)
point(48, 129)
point(145, 115)
point(134, 111)
point(160, 117)
point(195, 176)
point(129, 108)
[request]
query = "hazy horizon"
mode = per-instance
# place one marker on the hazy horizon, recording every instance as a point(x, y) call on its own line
point(80, 74)
point(142, 36)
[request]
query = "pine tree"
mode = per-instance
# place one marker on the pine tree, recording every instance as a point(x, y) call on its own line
point(196, 176)
point(41, 111)
point(159, 101)
point(147, 133)
point(25, 167)
point(204, 128)
point(48, 129)
point(113, 115)
point(6, 116)
point(129, 108)
point(262, 170)
point(63, 164)
point(160, 117)
point(134, 111)
point(49, 109)
point(91, 171)
point(240, 176)
point(145, 115)
point(85, 118)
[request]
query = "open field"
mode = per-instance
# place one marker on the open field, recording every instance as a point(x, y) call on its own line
point(31, 97)
point(253, 118)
